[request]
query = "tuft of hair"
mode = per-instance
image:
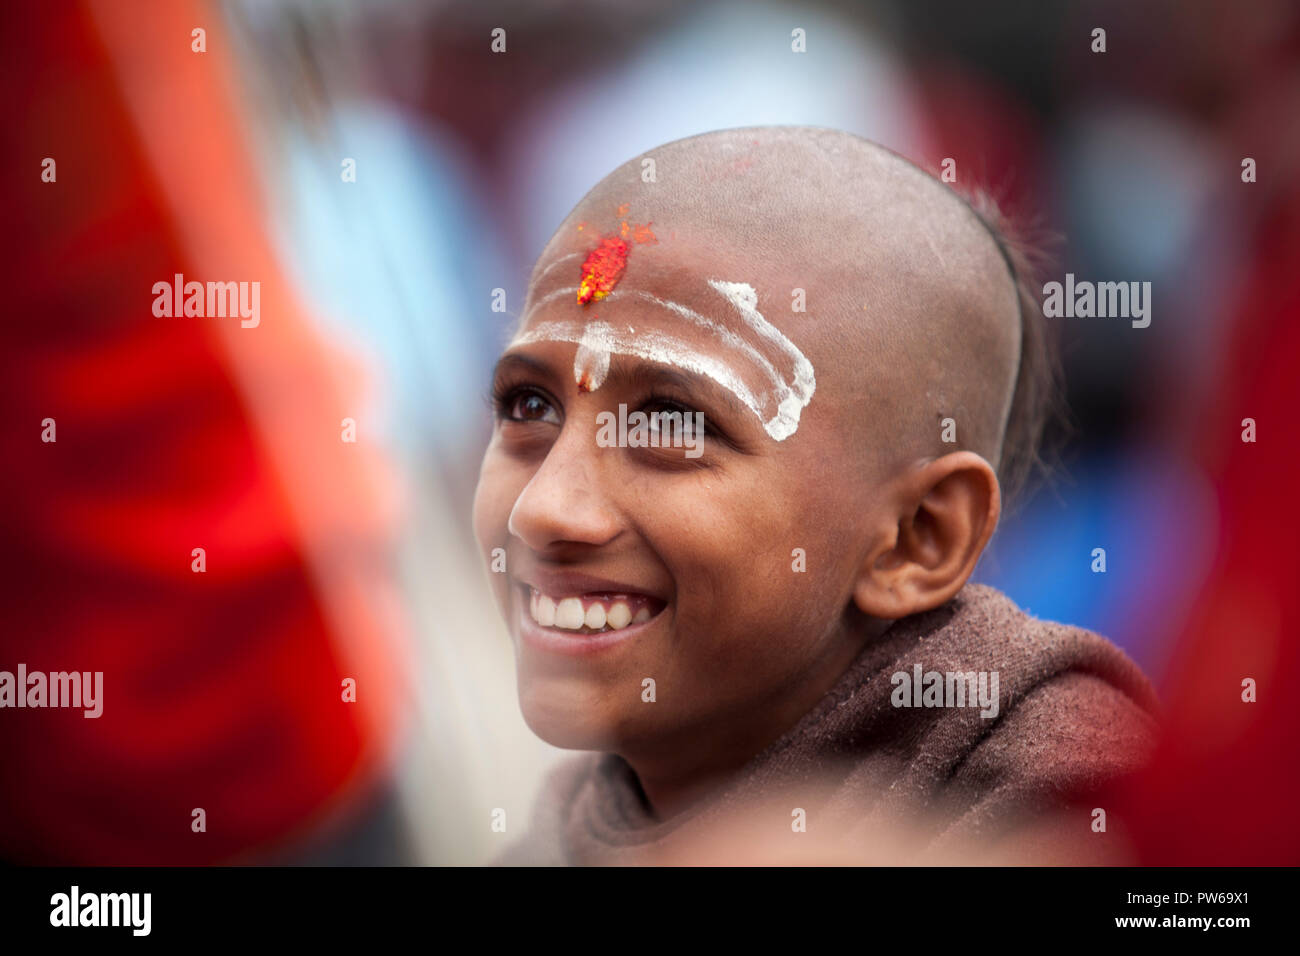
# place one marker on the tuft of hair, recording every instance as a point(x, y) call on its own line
point(1038, 421)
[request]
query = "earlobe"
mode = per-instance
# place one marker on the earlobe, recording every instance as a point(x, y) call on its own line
point(947, 511)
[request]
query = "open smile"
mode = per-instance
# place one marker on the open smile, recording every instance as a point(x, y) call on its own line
point(591, 612)
point(583, 622)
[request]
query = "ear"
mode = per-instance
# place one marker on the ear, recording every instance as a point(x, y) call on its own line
point(942, 516)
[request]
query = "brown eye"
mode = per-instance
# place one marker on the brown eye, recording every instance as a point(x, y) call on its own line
point(532, 407)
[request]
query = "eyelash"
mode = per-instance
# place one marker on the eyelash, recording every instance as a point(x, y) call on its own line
point(506, 394)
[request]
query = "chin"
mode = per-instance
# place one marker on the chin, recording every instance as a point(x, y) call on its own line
point(567, 721)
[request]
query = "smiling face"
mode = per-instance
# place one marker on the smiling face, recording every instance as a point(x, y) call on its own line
point(692, 556)
point(735, 580)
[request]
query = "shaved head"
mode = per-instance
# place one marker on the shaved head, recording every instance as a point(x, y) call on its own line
point(816, 307)
point(913, 309)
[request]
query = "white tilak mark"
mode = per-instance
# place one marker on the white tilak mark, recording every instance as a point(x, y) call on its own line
point(598, 340)
point(796, 396)
point(724, 334)
point(590, 363)
point(728, 337)
point(550, 267)
point(599, 337)
point(560, 261)
point(551, 296)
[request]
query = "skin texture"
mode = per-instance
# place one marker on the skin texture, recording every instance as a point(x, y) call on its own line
point(911, 317)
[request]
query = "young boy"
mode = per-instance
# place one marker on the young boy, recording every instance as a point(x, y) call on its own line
point(750, 442)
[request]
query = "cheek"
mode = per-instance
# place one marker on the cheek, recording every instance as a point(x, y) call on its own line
point(758, 564)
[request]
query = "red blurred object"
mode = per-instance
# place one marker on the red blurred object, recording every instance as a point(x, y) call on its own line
point(222, 690)
point(1224, 788)
point(1225, 782)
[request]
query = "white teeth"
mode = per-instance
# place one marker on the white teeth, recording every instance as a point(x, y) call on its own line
point(573, 613)
point(619, 615)
point(545, 611)
point(569, 614)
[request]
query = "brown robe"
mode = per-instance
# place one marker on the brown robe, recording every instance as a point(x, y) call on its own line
point(878, 782)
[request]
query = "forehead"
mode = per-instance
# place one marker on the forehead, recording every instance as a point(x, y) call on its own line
point(672, 268)
point(672, 309)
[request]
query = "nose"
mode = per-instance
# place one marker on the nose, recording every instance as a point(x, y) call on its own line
point(565, 501)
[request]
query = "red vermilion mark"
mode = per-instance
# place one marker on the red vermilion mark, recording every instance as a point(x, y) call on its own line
point(602, 269)
point(604, 265)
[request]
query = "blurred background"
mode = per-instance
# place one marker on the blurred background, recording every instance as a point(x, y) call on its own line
point(329, 559)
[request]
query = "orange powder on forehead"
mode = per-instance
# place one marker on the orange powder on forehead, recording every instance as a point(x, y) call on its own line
point(604, 265)
point(602, 269)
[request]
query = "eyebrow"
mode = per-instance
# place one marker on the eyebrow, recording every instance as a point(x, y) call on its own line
point(520, 361)
point(630, 372)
